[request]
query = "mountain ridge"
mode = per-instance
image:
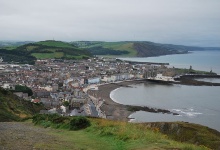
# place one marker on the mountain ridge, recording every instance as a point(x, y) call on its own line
point(50, 49)
point(137, 48)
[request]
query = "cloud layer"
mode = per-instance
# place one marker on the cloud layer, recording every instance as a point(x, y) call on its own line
point(189, 22)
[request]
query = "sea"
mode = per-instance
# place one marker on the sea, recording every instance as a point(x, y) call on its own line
point(199, 60)
point(194, 104)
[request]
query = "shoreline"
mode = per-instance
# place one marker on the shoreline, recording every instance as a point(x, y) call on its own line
point(112, 109)
point(117, 111)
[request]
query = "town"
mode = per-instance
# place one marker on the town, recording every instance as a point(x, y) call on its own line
point(63, 86)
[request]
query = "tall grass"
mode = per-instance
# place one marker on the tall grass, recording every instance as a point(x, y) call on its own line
point(124, 135)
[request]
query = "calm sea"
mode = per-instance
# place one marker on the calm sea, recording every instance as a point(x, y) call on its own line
point(199, 60)
point(195, 104)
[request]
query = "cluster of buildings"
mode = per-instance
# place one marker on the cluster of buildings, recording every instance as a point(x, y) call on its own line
point(61, 85)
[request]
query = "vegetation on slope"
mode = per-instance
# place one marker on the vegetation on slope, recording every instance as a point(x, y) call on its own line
point(131, 48)
point(28, 53)
point(105, 51)
point(11, 45)
point(84, 49)
point(148, 49)
point(13, 108)
point(55, 49)
point(17, 56)
point(24, 89)
point(56, 44)
point(137, 48)
point(124, 135)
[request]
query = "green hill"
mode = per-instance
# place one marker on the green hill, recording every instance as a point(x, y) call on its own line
point(56, 44)
point(13, 108)
point(136, 48)
point(129, 48)
point(28, 53)
point(11, 45)
point(55, 49)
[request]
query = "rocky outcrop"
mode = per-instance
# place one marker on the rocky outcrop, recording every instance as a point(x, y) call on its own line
point(188, 132)
point(191, 80)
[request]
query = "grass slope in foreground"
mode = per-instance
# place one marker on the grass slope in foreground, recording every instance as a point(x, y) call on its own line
point(116, 135)
point(13, 108)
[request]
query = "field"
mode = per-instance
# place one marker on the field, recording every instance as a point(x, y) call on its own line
point(122, 46)
point(117, 46)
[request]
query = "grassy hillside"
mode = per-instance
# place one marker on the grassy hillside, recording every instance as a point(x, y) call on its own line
point(11, 45)
point(131, 48)
point(13, 108)
point(136, 48)
point(108, 48)
point(84, 49)
point(123, 135)
point(28, 53)
point(17, 56)
point(56, 44)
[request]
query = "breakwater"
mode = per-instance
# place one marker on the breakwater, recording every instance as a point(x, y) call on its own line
point(137, 62)
point(191, 80)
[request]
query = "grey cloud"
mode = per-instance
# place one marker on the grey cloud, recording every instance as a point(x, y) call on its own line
point(168, 21)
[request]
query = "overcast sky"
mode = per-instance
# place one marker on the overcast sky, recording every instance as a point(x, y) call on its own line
point(187, 22)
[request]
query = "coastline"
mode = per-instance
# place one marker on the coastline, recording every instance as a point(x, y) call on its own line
point(112, 109)
point(117, 111)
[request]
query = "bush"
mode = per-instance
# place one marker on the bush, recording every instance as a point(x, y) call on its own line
point(79, 122)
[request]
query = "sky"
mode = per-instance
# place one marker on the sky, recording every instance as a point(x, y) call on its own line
point(184, 22)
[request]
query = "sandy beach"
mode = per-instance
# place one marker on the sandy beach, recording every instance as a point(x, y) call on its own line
point(112, 109)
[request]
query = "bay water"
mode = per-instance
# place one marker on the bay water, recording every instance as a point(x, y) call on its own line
point(194, 104)
point(199, 60)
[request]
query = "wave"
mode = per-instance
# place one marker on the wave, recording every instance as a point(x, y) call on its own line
point(188, 112)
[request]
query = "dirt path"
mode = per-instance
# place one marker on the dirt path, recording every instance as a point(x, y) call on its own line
point(23, 136)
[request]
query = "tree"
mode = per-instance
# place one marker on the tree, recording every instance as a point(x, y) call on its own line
point(24, 89)
point(79, 122)
point(66, 103)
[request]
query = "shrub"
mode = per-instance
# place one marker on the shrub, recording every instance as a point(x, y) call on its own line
point(79, 122)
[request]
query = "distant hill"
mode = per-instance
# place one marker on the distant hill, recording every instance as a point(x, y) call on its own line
point(28, 53)
point(136, 48)
point(13, 44)
point(13, 108)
